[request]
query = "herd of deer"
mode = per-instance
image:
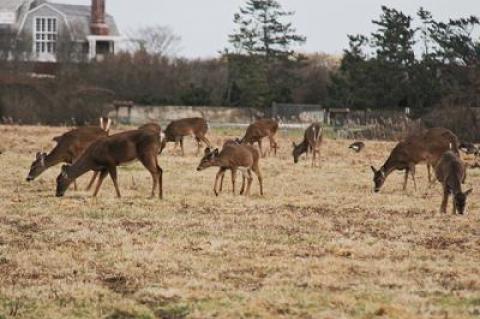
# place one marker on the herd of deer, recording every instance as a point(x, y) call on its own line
point(91, 148)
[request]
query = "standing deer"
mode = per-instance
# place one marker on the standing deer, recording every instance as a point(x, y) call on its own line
point(260, 129)
point(451, 173)
point(176, 130)
point(427, 147)
point(69, 147)
point(106, 154)
point(234, 157)
point(311, 142)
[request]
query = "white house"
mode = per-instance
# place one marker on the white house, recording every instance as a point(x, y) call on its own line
point(48, 27)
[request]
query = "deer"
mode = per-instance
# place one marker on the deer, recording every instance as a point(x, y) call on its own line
point(177, 130)
point(104, 155)
point(69, 147)
point(151, 126)
point(451, 173)
point(427, 147)
point(260, 129)
point(312, 140)
point(357, 146)
point(234, 157)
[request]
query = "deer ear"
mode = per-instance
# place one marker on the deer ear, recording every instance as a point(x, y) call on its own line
point(64, 171)
point(294, 145)
point(207, 151)
point(373, 169)
point(468, 192)
point(216, 152)
point(38, 155)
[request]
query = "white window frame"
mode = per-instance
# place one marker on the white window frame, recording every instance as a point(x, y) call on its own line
point(48, 39)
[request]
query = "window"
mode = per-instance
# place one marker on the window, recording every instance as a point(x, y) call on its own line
point(45, 35)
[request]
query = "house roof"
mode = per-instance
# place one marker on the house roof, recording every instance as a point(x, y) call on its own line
point(78, 17)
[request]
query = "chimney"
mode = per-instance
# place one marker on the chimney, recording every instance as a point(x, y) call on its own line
point(97, 23)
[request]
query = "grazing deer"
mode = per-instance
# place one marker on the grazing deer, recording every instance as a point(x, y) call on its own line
point(69, 147)
point(312, 140)
point(451, 173)
point(228, 142)
point(176, 130)
point(234, 157)
point(260, 129)
point(427, 147)
point(106, 154)
point(357, 146)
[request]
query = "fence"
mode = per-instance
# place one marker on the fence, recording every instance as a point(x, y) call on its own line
point(297, 113)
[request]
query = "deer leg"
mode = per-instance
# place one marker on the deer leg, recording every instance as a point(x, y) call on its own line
point(160, 181)
point(92, 180)
point(75, 188)
point(206, 141)
point(260, 147)
point(256, 170)
point(314, 157)
point(443, 206)
point(454, 205)
point(429, 173)
point(113, 175)
point(407, 171)
point(221, 183)
point(199, 145)
point(273, 144)
point(242, 190)
point(102, 176)
point(181, 146)
point(249, 180)
point(412, 172)
point(221, 172)
point(234, 176)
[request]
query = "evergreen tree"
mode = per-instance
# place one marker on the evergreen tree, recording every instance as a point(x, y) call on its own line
point(261, 30)
point(263, 63)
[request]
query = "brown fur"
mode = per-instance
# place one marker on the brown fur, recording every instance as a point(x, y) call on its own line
point(451, 173)
point(260, 129)
point(151, 126)
point(177, 130)
point(312, 140)
point(69, 147)
point(107, 153)
point(427, 147)
point(234, 157)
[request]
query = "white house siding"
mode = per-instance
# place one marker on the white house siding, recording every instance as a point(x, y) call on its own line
point(27, 31)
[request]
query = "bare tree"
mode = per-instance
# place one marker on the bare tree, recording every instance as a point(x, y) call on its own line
point(155, 40)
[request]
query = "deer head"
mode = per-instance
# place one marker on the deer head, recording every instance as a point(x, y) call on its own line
point(63, 181)
point(208, 159)
point(297, 151)
point(38, 166)
point(461, 201)
point(378, 178)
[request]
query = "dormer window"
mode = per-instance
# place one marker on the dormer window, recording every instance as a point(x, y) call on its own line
point(45, 37)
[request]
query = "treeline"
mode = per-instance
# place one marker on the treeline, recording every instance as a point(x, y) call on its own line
point(418, 63)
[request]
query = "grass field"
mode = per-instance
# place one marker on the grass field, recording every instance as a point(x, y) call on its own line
point(320, 244)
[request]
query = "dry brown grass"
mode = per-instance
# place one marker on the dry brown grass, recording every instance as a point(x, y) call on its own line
point(320, 244)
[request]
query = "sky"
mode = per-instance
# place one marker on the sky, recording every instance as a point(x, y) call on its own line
point(204, 25)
